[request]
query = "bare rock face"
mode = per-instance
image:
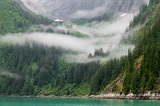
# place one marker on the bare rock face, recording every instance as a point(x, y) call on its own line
point(70, 9)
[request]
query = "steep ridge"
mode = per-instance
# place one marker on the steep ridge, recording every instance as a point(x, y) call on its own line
point(141, 74)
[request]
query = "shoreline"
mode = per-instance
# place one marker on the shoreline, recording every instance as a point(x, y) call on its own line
point(127, 97)
point(107, 96)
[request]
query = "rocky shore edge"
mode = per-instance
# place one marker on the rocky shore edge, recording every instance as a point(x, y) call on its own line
point(127, 97)
point(154, 96)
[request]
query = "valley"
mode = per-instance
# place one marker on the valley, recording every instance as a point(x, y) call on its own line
point(84, 54)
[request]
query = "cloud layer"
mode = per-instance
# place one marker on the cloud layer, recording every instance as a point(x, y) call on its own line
point(101, 35)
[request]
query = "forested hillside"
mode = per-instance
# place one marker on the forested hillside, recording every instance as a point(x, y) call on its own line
point(141, 72)
point(35, 69)
point(15, 19)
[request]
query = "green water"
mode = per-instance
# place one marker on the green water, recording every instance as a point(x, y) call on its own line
point(15, 101)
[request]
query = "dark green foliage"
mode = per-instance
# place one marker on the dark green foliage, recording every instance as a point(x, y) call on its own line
point(154, 1)
point(28, 88)
point(100, 53)
point(39, 66)
point(141, 17)
point(106, 73)
point(126, 83)
point(29, 63)
point(145, 77)
point(134, 82)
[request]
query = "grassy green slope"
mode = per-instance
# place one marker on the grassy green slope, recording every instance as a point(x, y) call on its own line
point(15, 19)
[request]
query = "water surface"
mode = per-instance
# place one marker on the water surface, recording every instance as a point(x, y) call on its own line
point(17, 101)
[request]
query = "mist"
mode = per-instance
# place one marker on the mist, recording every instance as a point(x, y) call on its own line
point(9, 74)
point(88, 13)
point(105, 35)
point(114, 27)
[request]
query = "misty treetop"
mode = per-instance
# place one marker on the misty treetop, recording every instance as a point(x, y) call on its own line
point(39, 66)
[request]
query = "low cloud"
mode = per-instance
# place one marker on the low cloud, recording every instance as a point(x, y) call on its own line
point(8, 74)
point(101, 35)
point(88, 13)
point(49, 39)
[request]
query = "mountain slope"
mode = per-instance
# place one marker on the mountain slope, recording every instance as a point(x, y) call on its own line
point(15, 19)
point(35, 69)
point(142, 72)
point(69, 9)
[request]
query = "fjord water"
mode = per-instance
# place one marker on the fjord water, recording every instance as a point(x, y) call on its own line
point(17, 101)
